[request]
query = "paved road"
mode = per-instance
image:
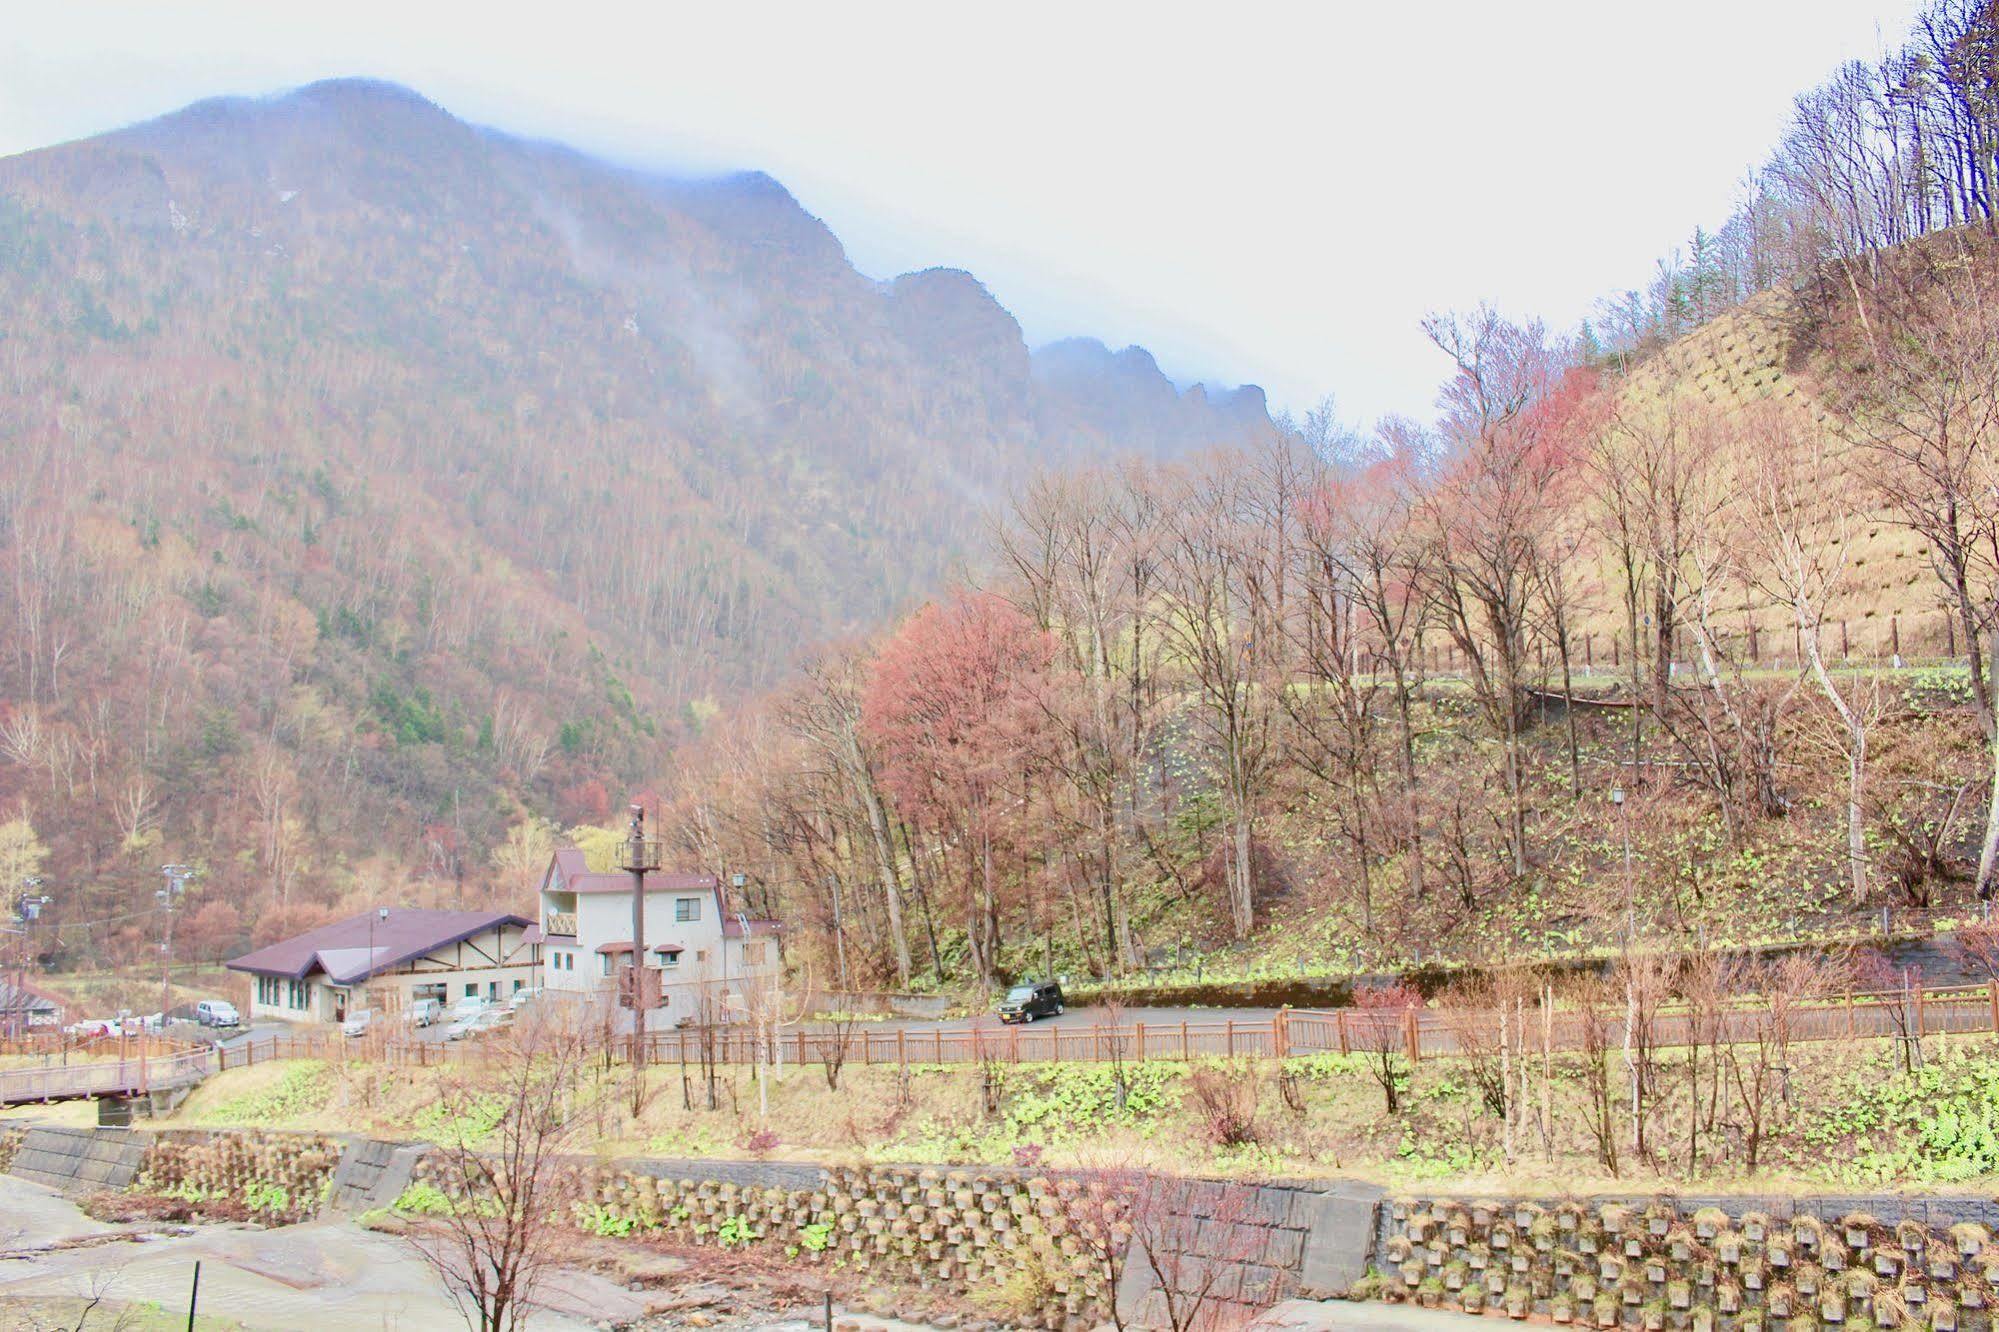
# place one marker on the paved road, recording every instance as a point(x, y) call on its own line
point(1082, 1019)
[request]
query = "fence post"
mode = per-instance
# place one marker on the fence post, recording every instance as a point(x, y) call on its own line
point(1184, 1056)
point(1921, 1009)
point(1280, 1035)
point(937, 1044)
point(1341, 1015)
point(1409, 1033)
point(1231, 1038)
point(1056, 1032)
point(1992, 988)
point(1139, 1029)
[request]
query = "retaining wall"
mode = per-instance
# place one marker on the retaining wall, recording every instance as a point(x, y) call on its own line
point(1752, 1264)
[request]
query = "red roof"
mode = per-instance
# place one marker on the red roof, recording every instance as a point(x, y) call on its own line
point(361, 946)
point(578, 877)
point(732, 927)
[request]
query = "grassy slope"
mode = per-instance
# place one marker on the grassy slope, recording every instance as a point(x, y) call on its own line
point(1858, 1120)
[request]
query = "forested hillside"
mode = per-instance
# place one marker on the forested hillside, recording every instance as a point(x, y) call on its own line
point(374, 486)
point(1681, 636)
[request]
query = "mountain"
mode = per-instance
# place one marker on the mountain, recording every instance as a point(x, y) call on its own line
point(370, 478)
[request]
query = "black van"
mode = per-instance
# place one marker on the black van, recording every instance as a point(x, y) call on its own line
point(1024, 1003)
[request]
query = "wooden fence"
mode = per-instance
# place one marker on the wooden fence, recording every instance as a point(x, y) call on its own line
point(1414, 1033)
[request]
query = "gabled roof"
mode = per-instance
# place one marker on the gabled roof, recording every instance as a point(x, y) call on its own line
point(578, 877)
point(732, 927)
point(361, 946)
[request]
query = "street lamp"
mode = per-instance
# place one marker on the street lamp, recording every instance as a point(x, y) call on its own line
point(169, 900)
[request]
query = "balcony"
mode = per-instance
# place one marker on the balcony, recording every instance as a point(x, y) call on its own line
point(560, 922)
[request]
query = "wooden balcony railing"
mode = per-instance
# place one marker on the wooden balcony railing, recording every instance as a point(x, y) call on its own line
point(560, 922)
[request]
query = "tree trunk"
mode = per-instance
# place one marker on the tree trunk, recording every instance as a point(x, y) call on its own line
point(885, 862)
point(1988, 856)
point(1242, 897)
point(1412, 803)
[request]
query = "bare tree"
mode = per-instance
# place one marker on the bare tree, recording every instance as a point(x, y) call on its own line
point(510, 1190)
point(1805, 509)
point(1504, 424)
point(1223, 569)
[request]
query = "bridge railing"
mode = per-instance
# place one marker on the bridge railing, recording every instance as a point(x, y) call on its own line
point(141, 1068)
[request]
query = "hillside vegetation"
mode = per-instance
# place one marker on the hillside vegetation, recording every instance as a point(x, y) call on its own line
point(1682, 644)
point(375, 487)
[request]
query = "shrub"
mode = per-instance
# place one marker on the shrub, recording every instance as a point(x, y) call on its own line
point(1225, 1102)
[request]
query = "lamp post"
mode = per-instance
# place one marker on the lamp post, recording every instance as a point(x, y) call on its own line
point(169, 900)
point(381, 914)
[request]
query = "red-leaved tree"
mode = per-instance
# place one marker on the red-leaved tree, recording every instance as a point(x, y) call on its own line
point(951, 707)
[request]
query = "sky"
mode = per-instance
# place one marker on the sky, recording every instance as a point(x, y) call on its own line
point(1264, 193)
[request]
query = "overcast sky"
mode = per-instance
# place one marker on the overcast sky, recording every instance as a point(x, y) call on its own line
point(1264, 193)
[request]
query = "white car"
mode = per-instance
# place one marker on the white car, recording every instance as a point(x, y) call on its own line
point(485, 1020)
point(423, 1012)
point(357, 1023)
point(522, 998)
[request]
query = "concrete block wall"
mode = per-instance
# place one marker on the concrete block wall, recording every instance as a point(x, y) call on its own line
point(953, 1229)
point(1711, 1264)
point(285, 1176)
point(78, 1159)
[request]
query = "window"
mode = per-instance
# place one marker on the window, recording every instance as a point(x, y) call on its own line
point(753, 952)
point(686, 908)
point(700, 955)
point(605, 958)
point(669, 960)
point(492, 989)
point(472, 989)
point(518, 982)
point(298, 994)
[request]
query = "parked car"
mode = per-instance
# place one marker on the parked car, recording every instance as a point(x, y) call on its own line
point(523, 997)
point(423, 1012)
point(358, 1022)
point(492, 1020)
point(463, 1019)
point(89, 1027)
point(1024, 1003)
point(217, 1013)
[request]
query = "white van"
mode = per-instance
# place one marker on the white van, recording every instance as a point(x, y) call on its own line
point(422, 1012)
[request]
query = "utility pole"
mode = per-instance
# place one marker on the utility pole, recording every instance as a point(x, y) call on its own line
point(169, 900)
point(641, 857)
point(27, 908)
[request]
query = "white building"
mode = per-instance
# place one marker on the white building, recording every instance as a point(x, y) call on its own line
point(384, 959)
point(713, 962)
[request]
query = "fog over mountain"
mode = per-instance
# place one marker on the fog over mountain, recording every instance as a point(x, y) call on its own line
point(445, 461)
